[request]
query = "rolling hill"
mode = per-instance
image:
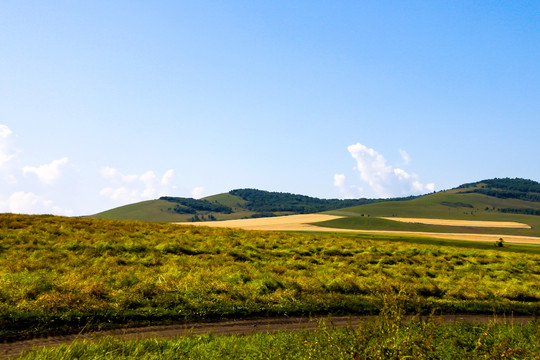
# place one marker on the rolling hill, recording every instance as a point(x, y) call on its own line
point(513, 200)
point(516, 200)
point(236, 204)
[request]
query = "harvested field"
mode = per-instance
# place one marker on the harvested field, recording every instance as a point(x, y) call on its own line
point(446, 222)
point(303, 223)
point(278, 223)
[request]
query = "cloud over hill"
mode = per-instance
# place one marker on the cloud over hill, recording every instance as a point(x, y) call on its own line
point(383, 179)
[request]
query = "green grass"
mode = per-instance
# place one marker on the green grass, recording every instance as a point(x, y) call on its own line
point(426, 240)
point(61, 274)
point(151, 210)
point(383, 338)
point(227, 199)
point(159, 210)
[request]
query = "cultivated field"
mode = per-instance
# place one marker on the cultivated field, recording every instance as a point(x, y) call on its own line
point(308, 223)
point(449, 222)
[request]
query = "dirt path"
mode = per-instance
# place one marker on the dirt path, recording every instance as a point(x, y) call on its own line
point(302, 223)
point(241, 327)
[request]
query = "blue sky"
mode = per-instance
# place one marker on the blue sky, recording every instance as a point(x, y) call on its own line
point(106, 103)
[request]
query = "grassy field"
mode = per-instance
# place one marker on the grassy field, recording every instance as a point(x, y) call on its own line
point(62, 274)
point(387, 337)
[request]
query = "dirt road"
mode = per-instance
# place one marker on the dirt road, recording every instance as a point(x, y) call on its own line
point(241, 327)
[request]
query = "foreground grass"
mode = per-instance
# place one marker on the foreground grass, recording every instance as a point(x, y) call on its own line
point(384, 338)
point(63, 274)
point(425, 240)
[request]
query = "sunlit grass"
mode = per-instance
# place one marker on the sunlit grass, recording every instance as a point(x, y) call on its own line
point(66, 273)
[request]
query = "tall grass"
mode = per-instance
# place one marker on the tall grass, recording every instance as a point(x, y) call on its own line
point(387, 337)
point(62, 274)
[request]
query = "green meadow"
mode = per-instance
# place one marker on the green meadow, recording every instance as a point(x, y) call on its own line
point(62, 274)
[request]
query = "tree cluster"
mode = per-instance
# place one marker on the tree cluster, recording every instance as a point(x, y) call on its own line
point(507, 188)
point(268, 202)
point(525, 211)
point(196, 205)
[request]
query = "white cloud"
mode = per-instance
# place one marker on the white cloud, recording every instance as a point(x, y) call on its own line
point(48, 173)
point(134, 188)
point(197, 192)
point(22, 202)
point(405, 156)
point(167, 177)
point(26, 202)
point(372, 168)
point(121, 194)
point(385, 180)
point(6, 153)
point(116, 176)
point(401, 174)
point(22, 190)
point(4, 131)
point(339, 180)
point(349, 192)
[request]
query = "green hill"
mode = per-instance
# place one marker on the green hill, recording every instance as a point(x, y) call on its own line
point(176, 209)
point(490, 200)
point(236, 204)
point(515, 200)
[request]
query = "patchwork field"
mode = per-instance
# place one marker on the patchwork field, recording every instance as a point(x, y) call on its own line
point(313, 222)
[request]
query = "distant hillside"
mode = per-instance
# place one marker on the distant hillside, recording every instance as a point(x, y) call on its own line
point(236, 204)
point(490, 200)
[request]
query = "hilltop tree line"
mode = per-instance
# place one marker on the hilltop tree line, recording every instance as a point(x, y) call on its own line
point(191, 206)
point(268, 202)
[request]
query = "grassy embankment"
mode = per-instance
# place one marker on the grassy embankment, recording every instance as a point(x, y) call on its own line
point(62, 274)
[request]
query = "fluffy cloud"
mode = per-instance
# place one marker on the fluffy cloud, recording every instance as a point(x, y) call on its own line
point(133, 188)
point(167, 177)
point(116, 176)
point(21, 202)
point(197, 192)
point(348, 191)
point(48, 173)
point(26, 202)
point(4, 131)
point(406, 158)
point(6, 153)
point(18, 193)
point(383, 179)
